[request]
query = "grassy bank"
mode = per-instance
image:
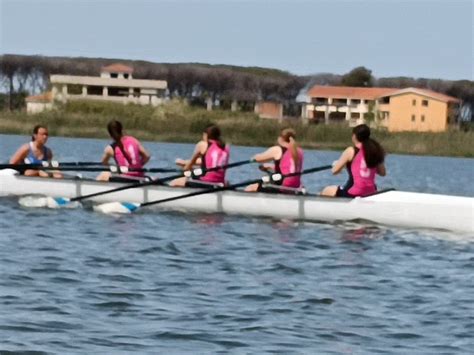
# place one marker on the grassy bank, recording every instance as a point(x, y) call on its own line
point(176, 122)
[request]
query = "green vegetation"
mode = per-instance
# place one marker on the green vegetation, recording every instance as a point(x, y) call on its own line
point(177, 122)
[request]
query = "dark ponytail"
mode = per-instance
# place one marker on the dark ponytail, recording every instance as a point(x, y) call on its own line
point(213, 132)
point(115, 130)
point(289, 136)
point(374, 154)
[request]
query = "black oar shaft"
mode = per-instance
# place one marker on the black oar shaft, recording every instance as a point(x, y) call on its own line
point(234, 186)
point(48, 165)
point(71, 167)
point(159, 181)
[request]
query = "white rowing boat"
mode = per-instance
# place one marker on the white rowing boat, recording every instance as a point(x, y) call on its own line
point(394, 208)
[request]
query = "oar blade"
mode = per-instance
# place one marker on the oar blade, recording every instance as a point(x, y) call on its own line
point(117, 207)
point(49, 202)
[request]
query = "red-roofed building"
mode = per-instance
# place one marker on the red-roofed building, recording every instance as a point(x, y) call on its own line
point(116, 71)
point(38, 103)
point(409, 109)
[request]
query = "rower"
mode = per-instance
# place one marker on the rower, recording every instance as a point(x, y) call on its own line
point(363, 161)
point(210, 152)
point(287, 157)
point(127, 152)
point(35, 152)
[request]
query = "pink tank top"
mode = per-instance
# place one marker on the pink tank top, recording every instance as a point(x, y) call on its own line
point(215, 156)
point(131, 147)
point(364, 177)
point(287, 165)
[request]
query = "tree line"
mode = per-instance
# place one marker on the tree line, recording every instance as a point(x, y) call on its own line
point(21, 75)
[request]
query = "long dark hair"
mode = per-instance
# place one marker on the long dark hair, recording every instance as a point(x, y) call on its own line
point(36, 130)
point(213, 132)
point(115, 130)
point(374, 153)
point(289, 136)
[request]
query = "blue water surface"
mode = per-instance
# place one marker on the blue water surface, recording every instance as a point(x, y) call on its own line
point(74, 281)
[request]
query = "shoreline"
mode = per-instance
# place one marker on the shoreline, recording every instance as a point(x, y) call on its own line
point(179, 123)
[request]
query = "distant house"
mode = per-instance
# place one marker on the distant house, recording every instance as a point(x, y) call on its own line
point(115, 84)
point(269, 109)
point(409, 109)
point(39, 103)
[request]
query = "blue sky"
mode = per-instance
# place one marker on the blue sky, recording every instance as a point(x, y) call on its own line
point(420, 38)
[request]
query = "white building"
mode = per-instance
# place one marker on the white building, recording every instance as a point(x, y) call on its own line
point(115, 84)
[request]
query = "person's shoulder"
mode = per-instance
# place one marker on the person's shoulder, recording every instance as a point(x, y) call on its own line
point(350, 149)
point(132, 138)
point(349, 152)
point(24, 147)
point(202, 144)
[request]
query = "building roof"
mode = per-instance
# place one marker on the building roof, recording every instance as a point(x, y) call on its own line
point(117, 68)
point(426, 92)
point(43, 97)
point(350, 92)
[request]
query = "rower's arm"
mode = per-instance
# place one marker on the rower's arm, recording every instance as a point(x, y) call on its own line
point(143, 153)
point(199, 151)
point(345, 157)
point(269, 155)
point(108, 153)
point(381, 170)
point(20, 155)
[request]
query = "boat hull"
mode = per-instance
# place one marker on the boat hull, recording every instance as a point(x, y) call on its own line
point(394, 208)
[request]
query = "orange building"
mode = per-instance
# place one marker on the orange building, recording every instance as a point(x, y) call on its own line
point(269, 109)
point(418, 110)
point(409, 109)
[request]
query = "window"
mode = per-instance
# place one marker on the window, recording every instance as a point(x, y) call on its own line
point(113, 75)
point(339, 102)
point(413, 103)
point(424, 102)
point(413, 118)
point(125, 76)
point(422, 118)
point(319, 101)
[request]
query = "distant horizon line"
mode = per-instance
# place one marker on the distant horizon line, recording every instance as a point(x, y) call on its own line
point(283, 71)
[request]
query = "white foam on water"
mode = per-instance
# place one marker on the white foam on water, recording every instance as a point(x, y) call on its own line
point(112, 208)
point(42, 202)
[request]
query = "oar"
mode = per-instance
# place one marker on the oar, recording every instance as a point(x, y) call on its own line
point(128, 207)
point(55, 202)
point(49, 164)
point(69, 167)
point(112, 168)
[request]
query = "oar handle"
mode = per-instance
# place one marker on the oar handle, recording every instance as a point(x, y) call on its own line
point(264, 179)
point(188, 173)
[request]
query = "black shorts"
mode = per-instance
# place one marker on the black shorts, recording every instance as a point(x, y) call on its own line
point(342, 192)
point(202, 185)
point(129, 180)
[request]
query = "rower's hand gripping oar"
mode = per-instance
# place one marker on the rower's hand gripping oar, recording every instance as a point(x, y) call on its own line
point(55, 202)
point(128, 207)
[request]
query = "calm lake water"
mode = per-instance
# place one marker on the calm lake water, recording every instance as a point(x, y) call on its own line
point(75, 281)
